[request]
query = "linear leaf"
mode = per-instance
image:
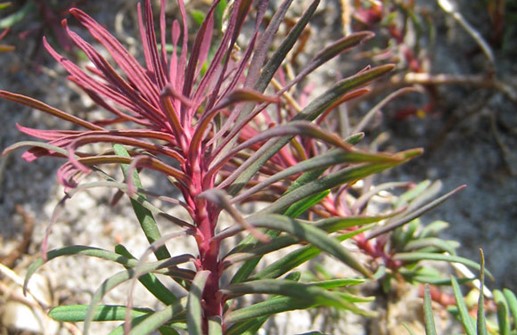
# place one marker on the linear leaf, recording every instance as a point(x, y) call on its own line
point(144, 215)
point(481, 317)
point(512, 304)
point(135, 322)
point(36, 104)
point(214, 326)
point(271, 306)
point(194, 304)
point(171, 313)
point(466, 319)
point(503, 313)
point(397, 222)
point(264, 44)
point(300, 207)
point(347, 175)
point(35, 144)
point(254, 250)
point(435, 242)
point(150, 281)
point(430, 328)
point(281, 52)
point(323, 161)
point(297, 257)
point(336, 48)
point(319, 104)
point(420, 256)
point(77, 313)
point(79, 250)
point(311, 234)
point(248, 327)
point(310, 294)
point(433, 229)
point(103, 289)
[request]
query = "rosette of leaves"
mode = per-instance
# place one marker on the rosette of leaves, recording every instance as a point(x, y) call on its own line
point(218, 119)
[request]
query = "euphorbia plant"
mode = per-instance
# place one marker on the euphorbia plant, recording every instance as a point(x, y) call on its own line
point(208, 118)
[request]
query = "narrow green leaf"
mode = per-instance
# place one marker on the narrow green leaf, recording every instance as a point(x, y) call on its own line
point(420, 256)
point(434, 228)
point(103, 289)
point(102, 254)
point(427, 275)
point(253, 250)
point(481, 318)
point(300, 207)
point(512, 304)
point(281, 52)
point(150, 281)
point(154, 321)
point(267, 308)
point(77, 313)
point(336, 48)
point(430, 328)
point(288, 262)
point(135, 322)
point(167, 331)
point(338, 283)
point(214, 326)
point(245, 270)
point(503, 313)
point(347, 175)
point(322, 102)
point(310, 294)
point(311, 234)
point(413, 193)
point(397, 222)
point(466, 320)
point(79, 250)
point(298, 257)
point(194, 304)
point(145, 216)
point(248, 327)
point(438, 244)
point(307, 176)
point(295, 275)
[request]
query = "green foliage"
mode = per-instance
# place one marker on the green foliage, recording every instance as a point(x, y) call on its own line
point(212, 121)
point(506, 311)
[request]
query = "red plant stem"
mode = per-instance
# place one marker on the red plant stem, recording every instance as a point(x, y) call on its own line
point(208, 260)
point(205, 219)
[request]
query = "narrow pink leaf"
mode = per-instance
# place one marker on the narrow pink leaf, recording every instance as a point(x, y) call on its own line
point(36, 104)
point(124, 59)
point(237, 96)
